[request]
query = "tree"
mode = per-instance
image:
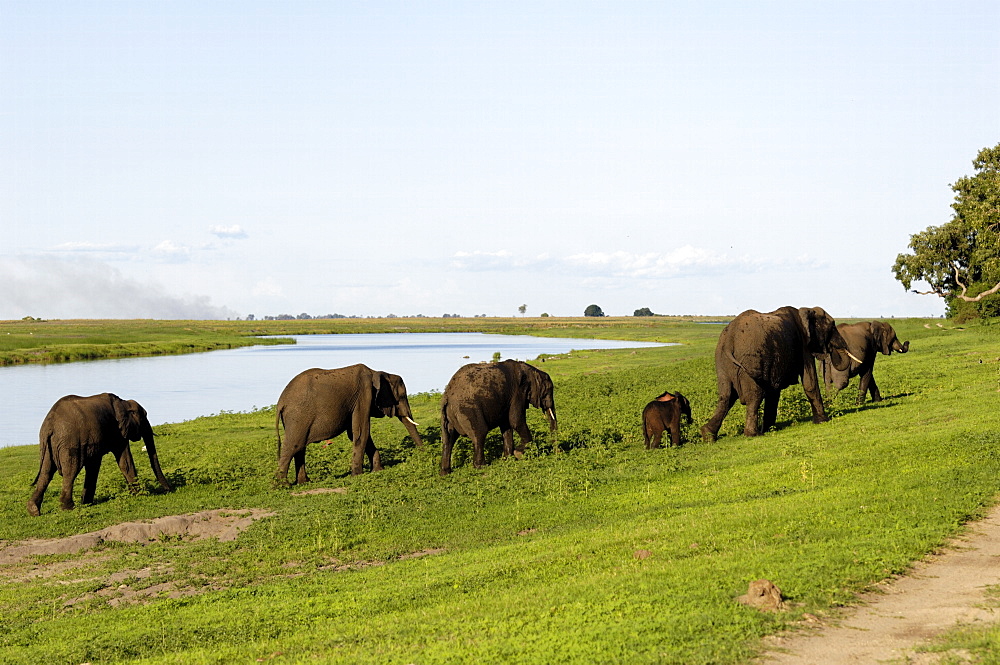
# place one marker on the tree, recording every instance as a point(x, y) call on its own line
point(963, 255)
point(593, 310)
point(522, 309)
point(645, 311)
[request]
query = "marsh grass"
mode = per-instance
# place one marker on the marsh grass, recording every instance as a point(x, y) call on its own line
point(530, 560)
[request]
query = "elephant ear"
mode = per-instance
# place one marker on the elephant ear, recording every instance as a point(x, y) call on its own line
point(130, 416)
point(537, 387)
point(884, 333)
point(807, 321)
point(385, 401)
point(520, 378)
point(122, 415)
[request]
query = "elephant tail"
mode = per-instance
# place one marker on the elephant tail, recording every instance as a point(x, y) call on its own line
point(277, 427)
point(444, 416)
point(44, 454)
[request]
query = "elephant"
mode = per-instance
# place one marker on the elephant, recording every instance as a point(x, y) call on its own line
point(76, 434)
point(864, 340)
point(482, 396)
point(664, 413)
point(760, 354)
point(319, 404)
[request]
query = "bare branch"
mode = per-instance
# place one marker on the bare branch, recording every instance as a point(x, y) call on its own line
point(982, 295)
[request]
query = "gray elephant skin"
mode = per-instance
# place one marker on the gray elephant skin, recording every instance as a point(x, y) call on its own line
point(319, 404)
point(76, 434)
point(760, 354)
point(664, 414)
point(480, 397)
point(865, 340)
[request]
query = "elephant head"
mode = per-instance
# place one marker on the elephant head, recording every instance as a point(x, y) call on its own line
point(821, 337)
point(685, 406)
point(885, 337)
point(539, 391)
point(134, 426)
point(391, 402)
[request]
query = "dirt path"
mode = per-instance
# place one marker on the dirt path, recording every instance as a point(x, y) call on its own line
point(943, 590)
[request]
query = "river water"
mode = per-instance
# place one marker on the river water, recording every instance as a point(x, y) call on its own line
point(179, 388)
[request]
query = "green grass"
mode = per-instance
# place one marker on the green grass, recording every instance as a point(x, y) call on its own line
point(37, 341)
point(531, 560)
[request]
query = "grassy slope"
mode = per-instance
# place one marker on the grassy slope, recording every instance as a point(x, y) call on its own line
point(538, 561)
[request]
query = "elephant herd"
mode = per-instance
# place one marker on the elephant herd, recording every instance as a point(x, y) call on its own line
point(757, 355)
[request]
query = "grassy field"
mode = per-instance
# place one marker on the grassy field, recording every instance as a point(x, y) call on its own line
point(591, 549)
point(33, 340)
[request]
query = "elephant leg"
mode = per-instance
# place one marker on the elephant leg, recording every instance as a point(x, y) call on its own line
point(771, 399)
point(873, 388)
point(45, 473)
point(675, 430)
point(523, 433)
point(69, 472)
point(91, 469)
point(300, 466)
point(727, 397)
point(753, 401)
point(478, 449)
point(447, 442)
point(508, 442)
point(657, 439)
point(866, 384)
point(360, 433)
point(810, 385)
point(374, 457)
point(125, 463)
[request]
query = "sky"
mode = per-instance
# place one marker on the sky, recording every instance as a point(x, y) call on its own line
point(190, 159)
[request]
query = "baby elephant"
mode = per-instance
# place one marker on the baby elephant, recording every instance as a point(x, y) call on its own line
point(664, 413)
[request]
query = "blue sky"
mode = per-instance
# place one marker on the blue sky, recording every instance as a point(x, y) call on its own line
point(190, 159)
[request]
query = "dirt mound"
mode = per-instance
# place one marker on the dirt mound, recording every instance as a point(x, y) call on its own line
point(222, 524)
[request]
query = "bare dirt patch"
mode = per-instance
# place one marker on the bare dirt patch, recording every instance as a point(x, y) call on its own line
point(222, 524)
point(321, 490)
point(941, 592)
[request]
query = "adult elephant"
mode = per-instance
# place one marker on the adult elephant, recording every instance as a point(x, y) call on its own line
point(865, 340)
point(759, 354)
point(482, 396)
point(76, 434)
point(319, 404)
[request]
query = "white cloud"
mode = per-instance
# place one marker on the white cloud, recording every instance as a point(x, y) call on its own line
point(267, 288)
point(503, 259)
point(51, 287)
point(168, 250)
point(682, 261)
point(95, 248)
point(235, 231)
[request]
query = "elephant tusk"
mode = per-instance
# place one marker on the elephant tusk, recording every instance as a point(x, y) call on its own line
point(410, 420)
point(854, 357)
point(552, 415)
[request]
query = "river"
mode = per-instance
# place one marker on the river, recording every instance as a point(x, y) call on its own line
point(179, 388)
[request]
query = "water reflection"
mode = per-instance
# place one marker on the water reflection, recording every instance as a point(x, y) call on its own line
point(178, 388)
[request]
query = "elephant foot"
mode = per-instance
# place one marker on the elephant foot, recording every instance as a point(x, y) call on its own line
point(518, 454)
point(707, 435)
point(817, 420)
point(33, 510)
point(445, 472)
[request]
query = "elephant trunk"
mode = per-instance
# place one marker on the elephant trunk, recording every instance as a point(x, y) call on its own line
point(900, 348)
point(411, 427)
point(550, 414)
point(154, 460)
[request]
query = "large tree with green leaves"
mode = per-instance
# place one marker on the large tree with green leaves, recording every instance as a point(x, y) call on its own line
point(962, 257)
